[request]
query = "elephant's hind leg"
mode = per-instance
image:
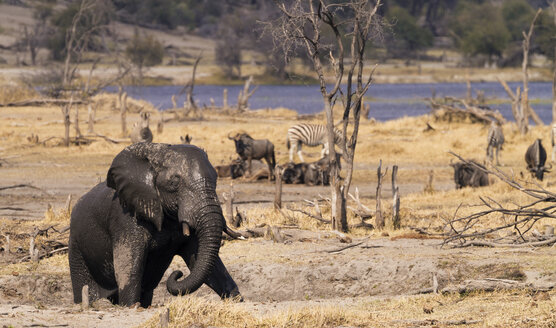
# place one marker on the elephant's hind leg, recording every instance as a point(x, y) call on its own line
point(80, 276)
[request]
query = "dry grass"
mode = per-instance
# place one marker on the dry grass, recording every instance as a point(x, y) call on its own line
point(16, 92)
point(498, 309)
point(401, 142)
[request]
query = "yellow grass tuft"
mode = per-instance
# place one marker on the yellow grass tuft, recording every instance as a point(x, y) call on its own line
point(497, 309)
point(16, 92)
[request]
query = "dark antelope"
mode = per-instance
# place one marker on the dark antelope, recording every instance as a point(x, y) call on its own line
point(249, 149)
point(535, 157)
point(469, 175)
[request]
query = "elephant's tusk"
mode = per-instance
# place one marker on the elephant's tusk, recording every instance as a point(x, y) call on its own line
point(185, 229)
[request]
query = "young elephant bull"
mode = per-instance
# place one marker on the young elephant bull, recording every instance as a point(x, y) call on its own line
point(158, 201)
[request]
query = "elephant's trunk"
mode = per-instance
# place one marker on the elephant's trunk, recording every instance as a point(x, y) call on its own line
point(208, 230)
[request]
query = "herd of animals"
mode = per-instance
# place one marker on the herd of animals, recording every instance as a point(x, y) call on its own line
point(159, 200)
point(251, 152)
point(473, 174)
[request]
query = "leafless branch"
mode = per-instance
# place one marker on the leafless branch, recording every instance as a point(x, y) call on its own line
point(463, 231)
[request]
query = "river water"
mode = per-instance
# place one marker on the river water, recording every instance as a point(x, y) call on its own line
point(387, 101)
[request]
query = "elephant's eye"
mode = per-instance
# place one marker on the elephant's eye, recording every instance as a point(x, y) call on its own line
point(174, 182)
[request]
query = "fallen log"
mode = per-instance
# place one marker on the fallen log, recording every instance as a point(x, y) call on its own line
point(40, 102)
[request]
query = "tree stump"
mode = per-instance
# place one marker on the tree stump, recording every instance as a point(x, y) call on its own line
point(278, 193)
point(395, 199)
point(379, 218)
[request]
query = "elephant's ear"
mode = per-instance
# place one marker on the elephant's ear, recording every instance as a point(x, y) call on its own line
point(133, 179)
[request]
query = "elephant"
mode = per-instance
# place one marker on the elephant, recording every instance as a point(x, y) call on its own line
point(157, 201)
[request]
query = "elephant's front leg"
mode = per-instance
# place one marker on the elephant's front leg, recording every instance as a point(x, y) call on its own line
point(129, 265)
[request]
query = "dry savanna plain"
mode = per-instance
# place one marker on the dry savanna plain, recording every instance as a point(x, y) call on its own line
point(315, 277)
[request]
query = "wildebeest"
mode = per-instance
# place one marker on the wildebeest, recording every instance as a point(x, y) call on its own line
point(249, 149)
point(233, 170)
point(495, 140)
point(535, 157)
point(294, 173)
point(469, 175)
point(141, 131)
point(311, 174)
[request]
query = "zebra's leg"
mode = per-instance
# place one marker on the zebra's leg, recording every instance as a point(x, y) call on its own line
point(293, 147)
point(497, 151)
point(324, 151)
point(300, 153)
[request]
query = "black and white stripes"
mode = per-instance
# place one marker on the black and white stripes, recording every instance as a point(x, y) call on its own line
point(311, 135)
point(495, 140)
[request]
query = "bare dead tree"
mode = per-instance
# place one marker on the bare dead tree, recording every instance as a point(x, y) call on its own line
point(517, 108)
point(525, 94)
point(518, 221)
point(301, 25)
point(190, 104)
point(245, 94)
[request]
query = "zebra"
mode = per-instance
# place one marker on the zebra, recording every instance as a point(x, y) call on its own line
point(495, 140)
point(311, 135)
point(141, 131)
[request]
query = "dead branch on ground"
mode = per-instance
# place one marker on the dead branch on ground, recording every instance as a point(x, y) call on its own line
point(361, 211)
point(518, 221)
point(24, 186)
point(449, 108)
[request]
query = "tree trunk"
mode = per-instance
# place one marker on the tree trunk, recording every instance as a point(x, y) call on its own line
point(91, 119)
point(395, 199)
point(190, 103)
point(66, 114)
point(76, 123)
point(527, 110)
point(554, 94)
point(225, 99)
point(379, 218)
point(278, 192)
point(338, 202)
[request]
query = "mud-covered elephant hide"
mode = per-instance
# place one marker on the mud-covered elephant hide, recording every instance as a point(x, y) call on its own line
point(158, 201)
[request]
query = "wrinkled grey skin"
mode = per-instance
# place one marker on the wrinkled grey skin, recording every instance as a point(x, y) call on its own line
point(535, 157)
point(468, 175)
point(158, 201)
